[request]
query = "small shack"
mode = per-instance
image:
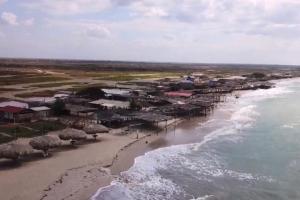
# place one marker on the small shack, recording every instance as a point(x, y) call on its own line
point(150, 118)
point(16, 114)
point(111, 104)
point(81, 111)
point(111, 119)
point(183, 94)
point(41, 112)
point(17, 104)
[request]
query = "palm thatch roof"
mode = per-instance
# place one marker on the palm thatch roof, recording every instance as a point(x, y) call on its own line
point(14, 151)
point(4, 135)
point(95, 128)
point(44, 142)
point(72, 134)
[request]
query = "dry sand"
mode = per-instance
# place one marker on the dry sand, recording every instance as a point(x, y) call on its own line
point(30, 179)
point(79, 173)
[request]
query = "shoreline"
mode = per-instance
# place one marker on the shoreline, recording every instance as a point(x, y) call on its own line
point(79, 178)
point(125, 157)
point(96, 176)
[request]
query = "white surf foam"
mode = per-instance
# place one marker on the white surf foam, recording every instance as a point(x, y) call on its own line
point(143, 178)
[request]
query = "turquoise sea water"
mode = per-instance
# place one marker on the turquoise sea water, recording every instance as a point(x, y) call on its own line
point(251, 152)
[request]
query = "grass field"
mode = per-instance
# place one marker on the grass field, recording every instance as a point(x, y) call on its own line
point(44, 93)
point(134, 75)
point(2, 90)
point(23, 78)
point(51, 85)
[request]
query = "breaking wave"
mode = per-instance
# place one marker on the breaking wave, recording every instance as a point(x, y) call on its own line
point(154, 176)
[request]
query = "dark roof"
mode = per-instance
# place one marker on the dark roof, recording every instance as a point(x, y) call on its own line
point(150, 117)
point(11, 109)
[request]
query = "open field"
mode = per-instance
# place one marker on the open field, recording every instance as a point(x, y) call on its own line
point(51, 85)
point(2, 90)
point(29, 78)
point(23, 78)
point(44, 93)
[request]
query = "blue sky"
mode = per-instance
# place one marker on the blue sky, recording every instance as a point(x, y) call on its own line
point(207, 31)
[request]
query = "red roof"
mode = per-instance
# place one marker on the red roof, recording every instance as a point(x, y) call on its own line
point(11, 109)
point(179, 94)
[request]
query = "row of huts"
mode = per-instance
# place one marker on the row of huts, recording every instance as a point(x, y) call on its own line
point(150, 102)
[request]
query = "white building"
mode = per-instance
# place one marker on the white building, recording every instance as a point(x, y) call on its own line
point(41, 112)
point(14, 104)
point(111, 104)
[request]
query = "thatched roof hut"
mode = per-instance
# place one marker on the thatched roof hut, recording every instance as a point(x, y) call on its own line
point(5, 137)
point(14, 151)
point(72, 134)
point(95, 128)
point(45, 143)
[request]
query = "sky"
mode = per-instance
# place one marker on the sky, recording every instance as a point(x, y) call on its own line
point(202, 31)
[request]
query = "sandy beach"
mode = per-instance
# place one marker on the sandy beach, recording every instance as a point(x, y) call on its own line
point(32, 180)
point(78, 173)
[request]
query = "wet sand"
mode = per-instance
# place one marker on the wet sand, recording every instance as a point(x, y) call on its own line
point(79, 173)
point(31, 180)
point(176, 134)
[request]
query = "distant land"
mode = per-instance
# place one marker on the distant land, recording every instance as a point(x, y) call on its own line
point(128, 65)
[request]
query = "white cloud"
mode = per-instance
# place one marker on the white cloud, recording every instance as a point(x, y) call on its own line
point(2, 35)
point(2, 1)
point(67, 7)
point(148, 10)
point(181, 30)
point(29, 22)
point(9, 18)
point(96, 31)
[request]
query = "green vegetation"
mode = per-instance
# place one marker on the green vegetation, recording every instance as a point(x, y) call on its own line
point(49, 85)
point(29, 78)
point(134, 105)
point(46, 126)
point(28, 130)
point(91, 93)
point(58, 107)
point(77, 88)
point(131, 75)
point(2, 90)
point(44, 93)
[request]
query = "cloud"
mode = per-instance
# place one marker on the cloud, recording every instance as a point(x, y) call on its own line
point(29, 22)
point(9, 18)
point(221, 30)
point(67, 7)
point(2, 1)
point(96, 31)
point(2, 35)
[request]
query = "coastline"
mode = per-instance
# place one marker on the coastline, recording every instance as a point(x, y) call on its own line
point(175, 135)
point(95, 176)
point(126, 156)
point(79, 173)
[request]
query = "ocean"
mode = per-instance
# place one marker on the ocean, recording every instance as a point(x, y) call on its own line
point(251, 151)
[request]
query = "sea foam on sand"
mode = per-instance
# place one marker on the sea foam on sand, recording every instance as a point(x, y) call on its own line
point(144, 179)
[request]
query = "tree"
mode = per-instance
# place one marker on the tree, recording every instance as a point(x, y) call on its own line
point(91, 93)
point(258, 75)
point(58, 108)
point(134, 105)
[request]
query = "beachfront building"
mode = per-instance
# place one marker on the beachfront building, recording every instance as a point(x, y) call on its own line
point(111, 104)
point(41, 112)
point(81, 111)
point(17, 104)
point(184, 94)
point(15, 114)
